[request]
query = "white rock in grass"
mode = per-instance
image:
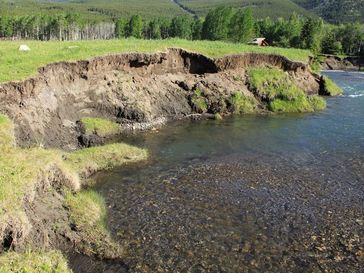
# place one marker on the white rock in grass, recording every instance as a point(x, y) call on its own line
point(24, 48)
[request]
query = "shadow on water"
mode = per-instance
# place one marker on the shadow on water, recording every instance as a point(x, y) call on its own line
point(276, 193)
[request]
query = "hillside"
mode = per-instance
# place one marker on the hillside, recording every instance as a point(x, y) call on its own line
point(101, 10)
point(335, 11)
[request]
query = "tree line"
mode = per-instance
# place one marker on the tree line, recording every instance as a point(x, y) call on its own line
point(222, 23)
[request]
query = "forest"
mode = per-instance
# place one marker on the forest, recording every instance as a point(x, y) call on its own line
point(222, 23)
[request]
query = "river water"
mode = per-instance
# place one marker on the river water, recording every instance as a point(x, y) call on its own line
point(272, 193)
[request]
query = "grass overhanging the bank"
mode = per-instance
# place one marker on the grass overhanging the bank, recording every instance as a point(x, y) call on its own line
point(282, 94)
point(99, 126)
point(15, 65)
point(24, 170)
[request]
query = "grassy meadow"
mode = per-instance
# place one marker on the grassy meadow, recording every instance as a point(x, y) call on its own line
point(15, 65)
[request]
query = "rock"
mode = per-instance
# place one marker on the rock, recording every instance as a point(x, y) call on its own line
point(24, 48)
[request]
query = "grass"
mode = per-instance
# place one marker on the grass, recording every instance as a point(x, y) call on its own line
point(242, 104)
point(99, 126)
point(34, 262)
point(90, 160)
point(88, 215)
point(23, 169)
point(331, 88)
point(198, 101)
point(282, 95)
point(15, 65)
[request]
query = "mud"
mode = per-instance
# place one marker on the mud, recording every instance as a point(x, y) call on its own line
point(137, 90)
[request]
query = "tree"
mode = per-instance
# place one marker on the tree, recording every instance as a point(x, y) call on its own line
point(242, 26)
point(135, 28)
point(181, 27)
point(311, 35)
point(217, 23)
point(120, 28)
point(197, 29)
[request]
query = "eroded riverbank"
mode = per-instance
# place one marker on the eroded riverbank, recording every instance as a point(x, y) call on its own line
point(281, 193)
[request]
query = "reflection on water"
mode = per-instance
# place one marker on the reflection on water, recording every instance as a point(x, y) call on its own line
point(275, 193)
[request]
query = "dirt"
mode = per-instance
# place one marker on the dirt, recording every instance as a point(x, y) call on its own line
point(337, 63)
point(137, 90)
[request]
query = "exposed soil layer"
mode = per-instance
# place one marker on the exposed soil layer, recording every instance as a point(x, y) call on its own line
point(137, 90)
point(337, 63)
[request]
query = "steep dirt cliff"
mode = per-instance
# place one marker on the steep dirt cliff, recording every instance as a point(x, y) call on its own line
point(136, 90)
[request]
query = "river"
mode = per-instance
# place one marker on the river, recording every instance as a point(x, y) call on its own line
point(256, 193)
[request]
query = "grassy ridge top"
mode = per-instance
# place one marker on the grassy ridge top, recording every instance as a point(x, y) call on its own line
point(15, 65)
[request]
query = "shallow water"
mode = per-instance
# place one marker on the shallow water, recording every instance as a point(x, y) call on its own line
point(275, 193)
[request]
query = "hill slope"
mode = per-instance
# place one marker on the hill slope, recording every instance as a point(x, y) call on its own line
point(101, 10)
point(335, 11)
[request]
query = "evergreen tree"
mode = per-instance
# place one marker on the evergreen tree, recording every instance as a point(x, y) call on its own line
point(311, 35)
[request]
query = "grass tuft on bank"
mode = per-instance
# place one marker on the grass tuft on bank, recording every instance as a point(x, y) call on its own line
point(34, 262)
point(99, 126)
point(15, 65)
point(88, 215)
point(331, 88)
point(88, 161)
point(242, 104)
point(282, 95)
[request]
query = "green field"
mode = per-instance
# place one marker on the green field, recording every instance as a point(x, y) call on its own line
point(106, 10)
point(15, 65)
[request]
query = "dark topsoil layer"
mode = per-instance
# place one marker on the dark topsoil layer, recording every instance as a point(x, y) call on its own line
point(137, 90)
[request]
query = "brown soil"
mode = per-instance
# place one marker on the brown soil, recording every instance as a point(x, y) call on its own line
point(137, 90)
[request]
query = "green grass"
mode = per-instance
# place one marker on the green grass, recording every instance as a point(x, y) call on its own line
point(99, 126)
point(34, 262)
point(15, 65)
point(88, 215)
point(242, 104)
point(282, 95)
point(198, 101)
point(331, 88)
point(23, 169)
point(90, 160)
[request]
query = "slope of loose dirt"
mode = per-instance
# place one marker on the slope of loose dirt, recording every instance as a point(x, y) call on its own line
point(135, 89)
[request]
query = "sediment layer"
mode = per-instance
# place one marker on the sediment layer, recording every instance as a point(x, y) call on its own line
point(134, 89)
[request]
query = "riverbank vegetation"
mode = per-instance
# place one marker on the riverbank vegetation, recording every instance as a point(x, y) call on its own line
point(99, 126)
point(25, 171)
point(282, 94)
point(17, 65)
point(34, 262)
